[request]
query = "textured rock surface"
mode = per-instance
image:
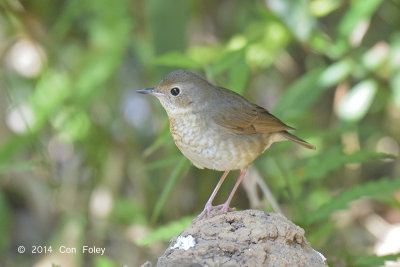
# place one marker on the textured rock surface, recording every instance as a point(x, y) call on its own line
point(245, 238)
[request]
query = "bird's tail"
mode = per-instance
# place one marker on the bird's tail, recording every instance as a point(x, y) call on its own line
point(297, 140)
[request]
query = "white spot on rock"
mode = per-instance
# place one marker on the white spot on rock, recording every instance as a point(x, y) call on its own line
point(321, 255)
point(184, 242)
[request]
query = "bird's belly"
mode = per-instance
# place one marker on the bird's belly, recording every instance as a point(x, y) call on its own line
point(213, 148)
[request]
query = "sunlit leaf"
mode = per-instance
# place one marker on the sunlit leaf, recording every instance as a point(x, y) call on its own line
point(356, 103)
point(322, 43)
point(376, 56)
point(276, 36)
point(322, 8)
point(203, 55)
point(258, 55)
point(359, 10)
point(237, 42)
point(336, 73)
point(296, 15)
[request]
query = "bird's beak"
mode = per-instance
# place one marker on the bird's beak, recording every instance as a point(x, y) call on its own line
point(149, 91)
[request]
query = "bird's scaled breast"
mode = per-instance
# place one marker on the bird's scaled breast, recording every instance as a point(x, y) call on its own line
point(208, 145)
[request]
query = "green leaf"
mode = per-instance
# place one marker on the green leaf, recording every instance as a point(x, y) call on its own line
point(12, 146)
point(72, 124)
point(226, 61)
point(375, 58)
point(165, 232)
point(336, 73)
point(17, 166)
point(101, 261)
point(296, 15)
point(381, 187)
point(51, 90)
point(258, 55)
point(94, 72)
point(177, 60)
point(300, 95)
point(359, 10)
point(321, 43)
point(334, 158)
point(126, 211)
point(306, 90)
point(374, 260)
point(354, 106)
point(204, 54)
point(239, 75)
point(109, 27)
point(322, 8)
point(177, 172)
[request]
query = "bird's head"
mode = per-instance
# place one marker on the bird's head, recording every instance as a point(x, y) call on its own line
point(181, 91)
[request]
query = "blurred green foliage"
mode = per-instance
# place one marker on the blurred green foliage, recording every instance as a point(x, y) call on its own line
point(84, 160)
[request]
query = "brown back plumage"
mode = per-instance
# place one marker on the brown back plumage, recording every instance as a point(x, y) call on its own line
point(247, 118)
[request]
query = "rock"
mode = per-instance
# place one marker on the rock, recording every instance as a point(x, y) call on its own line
point(242, 238)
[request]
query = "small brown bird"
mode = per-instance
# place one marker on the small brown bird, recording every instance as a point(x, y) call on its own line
point(216, 128)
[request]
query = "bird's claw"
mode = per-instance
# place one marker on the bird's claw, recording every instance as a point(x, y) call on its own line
point(211, 211)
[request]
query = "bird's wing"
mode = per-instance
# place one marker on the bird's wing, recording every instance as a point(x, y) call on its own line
point(268, 123)
point(242, 117)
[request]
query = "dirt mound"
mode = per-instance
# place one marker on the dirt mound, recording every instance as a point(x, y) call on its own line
point(242, 238)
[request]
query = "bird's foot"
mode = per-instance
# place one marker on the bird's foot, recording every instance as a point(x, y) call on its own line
point(223, 208)
point(211, 211)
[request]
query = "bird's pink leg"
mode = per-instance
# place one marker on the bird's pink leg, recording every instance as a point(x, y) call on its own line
point(225, 206)
point(209, 207)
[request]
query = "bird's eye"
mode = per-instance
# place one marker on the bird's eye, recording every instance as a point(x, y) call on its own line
point(175, 91)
